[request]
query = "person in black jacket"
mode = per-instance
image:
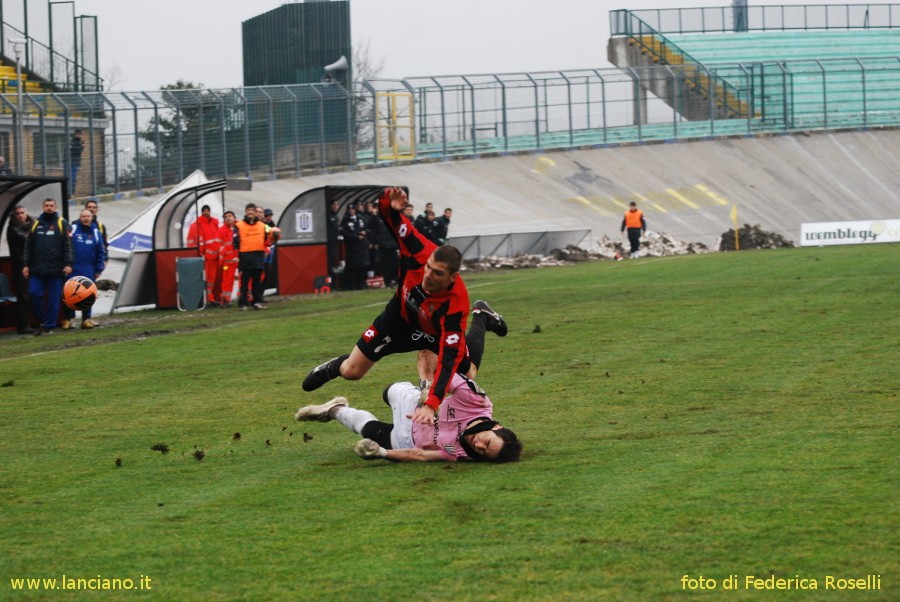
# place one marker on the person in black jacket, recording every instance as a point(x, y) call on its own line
point(425, 224)
point(389, 253)
point(76, 149)
point(356, 245)
point(16, 237)
point(48, 262)
point(442, 227)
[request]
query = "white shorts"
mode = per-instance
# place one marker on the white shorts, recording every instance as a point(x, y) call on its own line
point(403, 398)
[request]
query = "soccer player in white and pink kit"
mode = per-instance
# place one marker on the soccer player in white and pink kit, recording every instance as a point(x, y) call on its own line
point(464, 428)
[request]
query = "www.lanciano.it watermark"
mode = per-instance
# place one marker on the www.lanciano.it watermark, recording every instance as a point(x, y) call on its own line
point(98, 583)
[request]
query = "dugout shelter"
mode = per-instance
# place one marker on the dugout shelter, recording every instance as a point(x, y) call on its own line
point(303, 251)
point(150, 276)
point(29, 192)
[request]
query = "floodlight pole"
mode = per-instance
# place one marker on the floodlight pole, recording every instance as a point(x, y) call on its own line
point(18, 44)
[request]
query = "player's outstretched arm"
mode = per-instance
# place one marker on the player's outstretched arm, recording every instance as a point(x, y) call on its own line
point(415, 455)
point(370, 450)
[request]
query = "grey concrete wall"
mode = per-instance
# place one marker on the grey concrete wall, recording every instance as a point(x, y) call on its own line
point(685, 189)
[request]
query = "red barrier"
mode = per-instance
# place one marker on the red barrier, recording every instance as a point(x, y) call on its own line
point(298, 267)
point(166, 281)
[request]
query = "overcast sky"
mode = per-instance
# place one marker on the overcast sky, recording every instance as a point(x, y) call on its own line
point(145, 44)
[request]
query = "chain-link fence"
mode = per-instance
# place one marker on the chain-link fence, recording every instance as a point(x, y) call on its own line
point(149, 140)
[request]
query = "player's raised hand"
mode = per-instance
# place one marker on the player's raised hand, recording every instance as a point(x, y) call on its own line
point(398, 197)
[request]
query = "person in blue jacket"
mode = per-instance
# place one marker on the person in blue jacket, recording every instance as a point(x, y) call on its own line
point(89, 259)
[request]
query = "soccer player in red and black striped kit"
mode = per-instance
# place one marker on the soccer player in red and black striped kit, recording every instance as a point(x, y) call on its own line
point(429, 311)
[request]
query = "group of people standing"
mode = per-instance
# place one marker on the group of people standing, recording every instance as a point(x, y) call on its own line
point(434, 228)
point(236, 246)
point(361, 246)
point(45, 252)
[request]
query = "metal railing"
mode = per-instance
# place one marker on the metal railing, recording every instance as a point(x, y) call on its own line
point(722, 19)
point(478, 247)
point(59, 72)
point(150, 140)
point(652, 42)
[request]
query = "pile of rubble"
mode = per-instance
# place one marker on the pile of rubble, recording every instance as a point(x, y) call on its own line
point(653, 244)
point(520, 261)
point(753, 237)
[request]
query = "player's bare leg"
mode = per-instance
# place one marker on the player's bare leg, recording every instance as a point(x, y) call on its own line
point(356, 366)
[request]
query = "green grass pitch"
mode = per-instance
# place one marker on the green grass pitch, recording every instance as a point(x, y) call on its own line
point(731, 414)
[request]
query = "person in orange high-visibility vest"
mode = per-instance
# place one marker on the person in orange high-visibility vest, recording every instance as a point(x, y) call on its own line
point(251, 257)
point(636, 225)
point(204, 234)
point(273, 234)
point(228, 257)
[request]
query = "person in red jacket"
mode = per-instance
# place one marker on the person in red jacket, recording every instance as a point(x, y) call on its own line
point(204, 234)
point(228, 257)
point(428, 311)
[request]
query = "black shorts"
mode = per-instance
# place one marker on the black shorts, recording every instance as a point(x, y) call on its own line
point(390, 334)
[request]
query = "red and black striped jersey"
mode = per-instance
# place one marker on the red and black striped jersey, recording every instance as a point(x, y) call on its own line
point(441, 315)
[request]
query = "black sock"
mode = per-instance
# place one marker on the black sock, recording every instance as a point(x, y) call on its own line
point(334, 366)
point(379, 432)
point(475, 338)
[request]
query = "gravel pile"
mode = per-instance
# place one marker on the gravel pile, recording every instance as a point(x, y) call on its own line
point(753, 237)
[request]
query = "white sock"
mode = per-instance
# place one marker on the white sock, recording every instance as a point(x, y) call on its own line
point(353, 419)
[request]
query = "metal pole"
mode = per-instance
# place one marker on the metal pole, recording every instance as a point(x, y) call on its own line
point(569, 106)
point(159, 150)
point(25, 15)
point(412, 116)
point(295, 130)
point(137, 141)
point(50, 26)
point(443, 117)
point(20, 129)
point(375, 141)
point(115, 141)
point(43, 134)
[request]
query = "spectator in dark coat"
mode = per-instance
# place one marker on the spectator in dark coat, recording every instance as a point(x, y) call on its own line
point(48, 262)
point(333, 233)
point(388, 252)
point(425, 224)
point(356, 245)
point(16, 237)
point(372, 221)
point(442, 226)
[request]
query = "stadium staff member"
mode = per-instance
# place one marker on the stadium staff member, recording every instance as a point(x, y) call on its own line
point(636, 224)
point(429, 310)
point(48, 262)
point(228, 256)
point(251, 257)
point(204, 234)
point(94, 208)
